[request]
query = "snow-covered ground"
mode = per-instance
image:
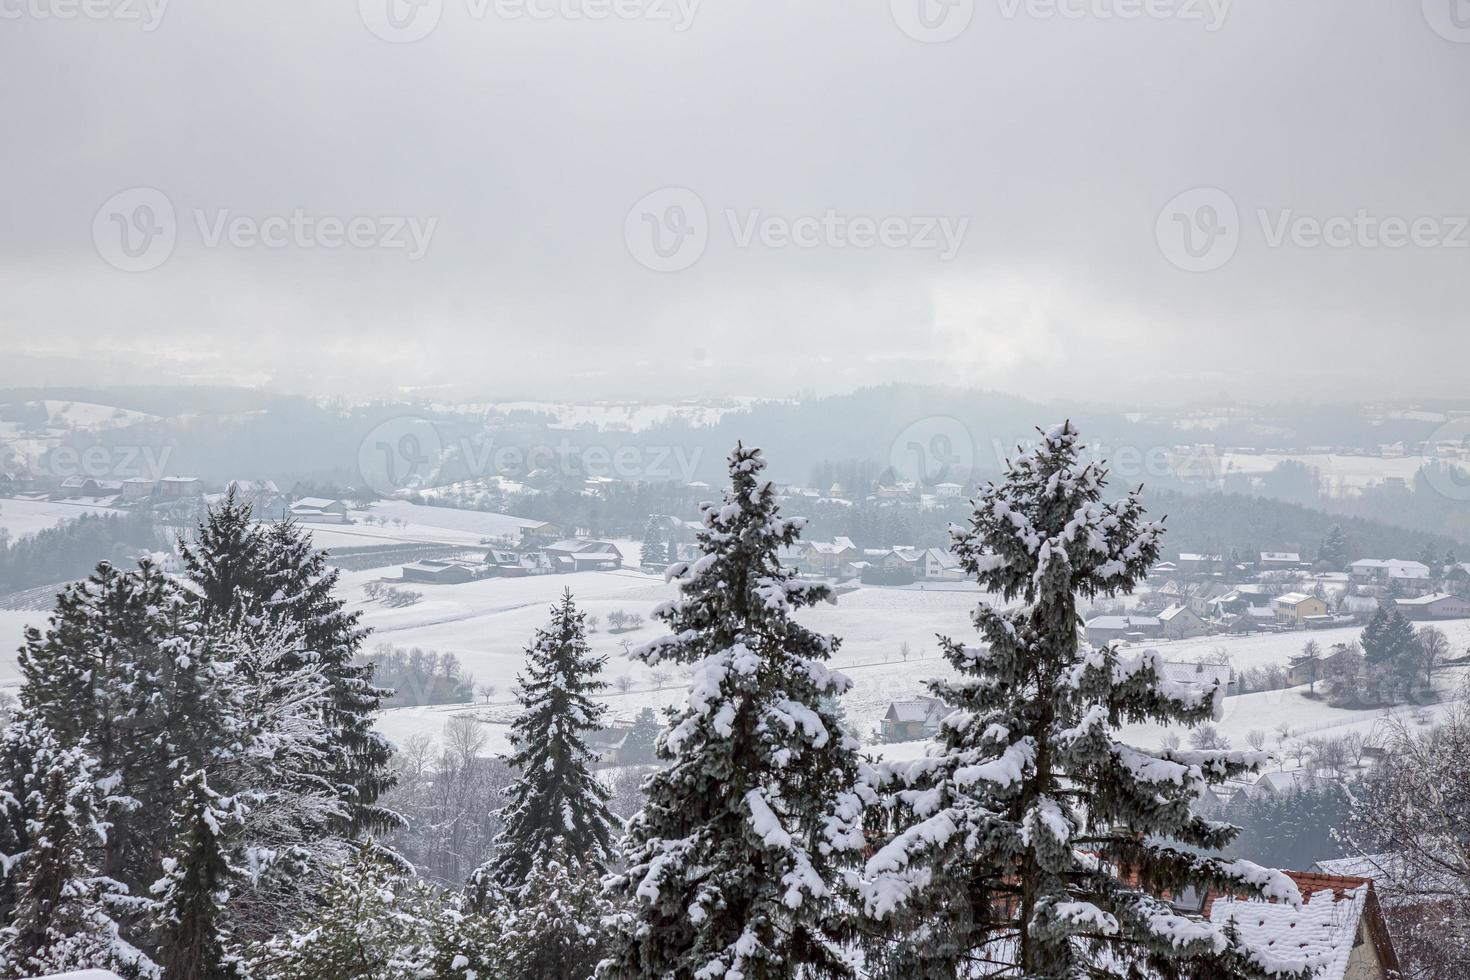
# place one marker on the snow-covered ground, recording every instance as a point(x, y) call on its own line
point(422, 524)
point(22, 517)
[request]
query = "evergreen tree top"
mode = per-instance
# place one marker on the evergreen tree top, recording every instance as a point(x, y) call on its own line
point(733, 863)
point(556, 802)
point(1029, 834)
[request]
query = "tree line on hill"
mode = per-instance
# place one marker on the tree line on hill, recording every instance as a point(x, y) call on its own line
point(73, 547)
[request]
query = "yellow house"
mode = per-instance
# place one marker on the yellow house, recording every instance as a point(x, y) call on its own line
point(1293, 608)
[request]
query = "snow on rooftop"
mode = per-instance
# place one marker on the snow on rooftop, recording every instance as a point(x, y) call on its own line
point(1322, 931)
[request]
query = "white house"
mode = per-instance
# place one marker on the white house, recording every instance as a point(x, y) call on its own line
point(319, 510)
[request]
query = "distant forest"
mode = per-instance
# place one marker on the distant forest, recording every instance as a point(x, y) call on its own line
point(73, 548)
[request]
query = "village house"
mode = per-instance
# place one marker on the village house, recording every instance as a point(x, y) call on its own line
point(1278, 561)
point(828, 557)
point(1205, 564)
point(1436, 605)
point(1200, 675)
point(137, 488)
point(574, 555)
point(180, 487)
point(319, 510)
point(1182, 622)
point(912, 719)
point(437, 571)
point(1309, 670)
point(263, 497)
point(1294, 608)
point(1379, 571)
point(1203, 595)
point(1106, 629)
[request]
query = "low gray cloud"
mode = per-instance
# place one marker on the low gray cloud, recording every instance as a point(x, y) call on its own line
point(1109, 199)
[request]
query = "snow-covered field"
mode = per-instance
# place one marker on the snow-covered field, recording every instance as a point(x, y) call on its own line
point(486, 624)
point(22, 517)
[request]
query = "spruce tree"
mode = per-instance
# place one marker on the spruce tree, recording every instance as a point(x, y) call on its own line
point(198, 876)
point(224, 559)
point(1030, 842)
point(1391, 654)
point(62, 917)
point(1333, 551)
point(273, 575)
point(653, 551)
point(554, 929)
point(733, 863)
point(301, 587)
point(124, 670)
point(642, 741)
point(556, 804)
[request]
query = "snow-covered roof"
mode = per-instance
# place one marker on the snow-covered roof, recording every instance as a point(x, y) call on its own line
point(1426, 600)
point(1294, 598)
point(1281, 556)
point(1283, 782)
point(1369, 564)
point(1122, 622)
point(1175, 610)
point(1205, 675)
point(1322, 931)
point(916, 709)
point(315, 503)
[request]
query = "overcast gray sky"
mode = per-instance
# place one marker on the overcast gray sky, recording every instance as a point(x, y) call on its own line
point(1110, 199)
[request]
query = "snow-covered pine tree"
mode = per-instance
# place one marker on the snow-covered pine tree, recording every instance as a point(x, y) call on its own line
point(370, 921)
point(288, 838)
point(1334, 548)
point(124, 670)
point(1391, 654)
point(1029, 842)
point(224, 560)
point(61, 919)
point(554, 929)
point(732, 864)
point(653, 551)
point(197, 878)
point(300, 587)
point(273, 575)
point(556, 804)
point(640, 747)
